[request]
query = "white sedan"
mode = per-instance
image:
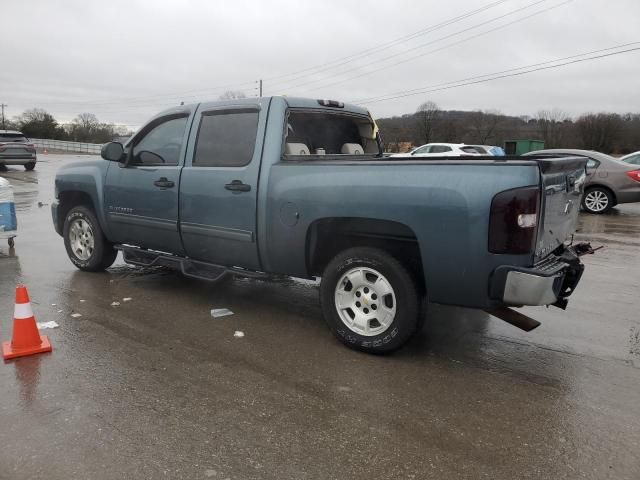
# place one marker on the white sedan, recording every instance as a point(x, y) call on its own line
point(440, 150)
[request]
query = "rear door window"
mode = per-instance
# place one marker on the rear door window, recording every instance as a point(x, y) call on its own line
point(591, 163)
point(226, 138)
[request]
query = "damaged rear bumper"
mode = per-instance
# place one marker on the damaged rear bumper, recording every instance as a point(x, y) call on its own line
point(550, 282)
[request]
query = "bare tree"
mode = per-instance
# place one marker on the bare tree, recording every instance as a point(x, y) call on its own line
point(427, 116)
point(599, 131)
point(484, 126)
point(232, 95)
point(552, 125)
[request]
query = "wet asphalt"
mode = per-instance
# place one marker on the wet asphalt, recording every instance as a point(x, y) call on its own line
point(157, 388)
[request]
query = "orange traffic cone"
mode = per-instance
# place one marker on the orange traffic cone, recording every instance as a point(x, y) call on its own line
point(26, 339)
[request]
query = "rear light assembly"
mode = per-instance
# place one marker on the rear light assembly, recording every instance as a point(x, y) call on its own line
point(634, 175)
point(513, 221)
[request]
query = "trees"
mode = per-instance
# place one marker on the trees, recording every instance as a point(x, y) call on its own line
point(553, 125)
point(426, 118)
point(483, 126)
point(87, 128)
point(38, 123)
point(599, 131)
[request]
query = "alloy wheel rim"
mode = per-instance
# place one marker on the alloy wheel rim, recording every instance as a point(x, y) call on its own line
point(365, 301)
point(81, 239)
point(596, 200)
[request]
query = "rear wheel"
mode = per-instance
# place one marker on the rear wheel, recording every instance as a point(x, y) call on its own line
point(30, 166)
point(86, 245)
point(597, 200)
point(369, 300)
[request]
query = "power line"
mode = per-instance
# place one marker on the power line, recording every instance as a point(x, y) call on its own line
point(469, 81)
point(384, 46)
point(473, 27)
point(366, 99)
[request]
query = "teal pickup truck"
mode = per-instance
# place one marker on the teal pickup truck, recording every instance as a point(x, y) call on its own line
point(301, 187)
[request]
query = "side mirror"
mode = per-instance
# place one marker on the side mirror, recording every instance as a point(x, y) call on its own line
point(112, 151)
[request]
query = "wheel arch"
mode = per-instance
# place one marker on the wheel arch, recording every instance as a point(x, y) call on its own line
point(73, 198)
point(326, 237)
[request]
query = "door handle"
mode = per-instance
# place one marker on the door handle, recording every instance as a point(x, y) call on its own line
point(238, 186)
point(162, 182)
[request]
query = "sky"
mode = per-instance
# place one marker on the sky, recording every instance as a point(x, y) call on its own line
point(126, 60)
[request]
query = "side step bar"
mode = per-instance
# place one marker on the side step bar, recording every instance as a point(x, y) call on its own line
point(189, 268)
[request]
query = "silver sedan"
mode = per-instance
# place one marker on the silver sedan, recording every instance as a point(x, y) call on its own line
point(609, 180)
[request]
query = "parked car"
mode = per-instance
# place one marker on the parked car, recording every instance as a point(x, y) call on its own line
point(441, 150)
point(609, 180)
point(489, 150)
point(15, 149)
point(632, 158)
point(232, 187)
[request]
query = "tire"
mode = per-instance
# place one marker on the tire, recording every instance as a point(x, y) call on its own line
point(368, 308)
point(597, 200)
point(30, 166)
point(91, 252)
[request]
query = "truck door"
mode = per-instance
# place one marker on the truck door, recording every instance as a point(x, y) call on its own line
point(219, 184)
point(141, 196)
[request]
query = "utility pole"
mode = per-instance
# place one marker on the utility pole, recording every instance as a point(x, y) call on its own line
point(5, 105)
point(260, 87)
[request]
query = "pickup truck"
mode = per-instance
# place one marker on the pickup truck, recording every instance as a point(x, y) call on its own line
point(300, 187)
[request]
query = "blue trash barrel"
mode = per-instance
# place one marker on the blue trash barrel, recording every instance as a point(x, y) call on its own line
point(8, 219)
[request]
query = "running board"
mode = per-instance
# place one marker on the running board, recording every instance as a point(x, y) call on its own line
point(188, 267)
point(514, 318)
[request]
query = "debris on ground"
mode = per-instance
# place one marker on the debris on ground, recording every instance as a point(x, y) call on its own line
point(76, 315)
point(220, 312)
point(115, 304)
point(82, 301)
point(127, 299)
point(59, 311)
point(40, 204)
point(51, 324)
point(238, 334)
point(53, 305)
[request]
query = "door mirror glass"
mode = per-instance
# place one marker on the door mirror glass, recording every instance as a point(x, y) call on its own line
point(112, 151)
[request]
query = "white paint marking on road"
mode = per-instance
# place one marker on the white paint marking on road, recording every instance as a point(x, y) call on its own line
point(51, 324)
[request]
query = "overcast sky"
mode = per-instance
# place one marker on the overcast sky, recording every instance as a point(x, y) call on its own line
point(126, 60)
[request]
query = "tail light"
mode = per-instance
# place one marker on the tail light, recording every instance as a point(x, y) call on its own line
point(513, 220)
point(634, 175)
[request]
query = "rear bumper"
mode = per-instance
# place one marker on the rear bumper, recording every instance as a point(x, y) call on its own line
point(549, 282)
point(20, 159)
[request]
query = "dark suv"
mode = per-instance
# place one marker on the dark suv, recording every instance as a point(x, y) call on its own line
point(15, 149)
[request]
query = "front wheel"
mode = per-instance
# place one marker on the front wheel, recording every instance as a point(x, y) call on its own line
point(369, 300)
point(597, 200)
point(85, 243)
point(30, 166)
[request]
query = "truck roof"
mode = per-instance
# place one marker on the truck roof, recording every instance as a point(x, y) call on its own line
point(293, 102)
